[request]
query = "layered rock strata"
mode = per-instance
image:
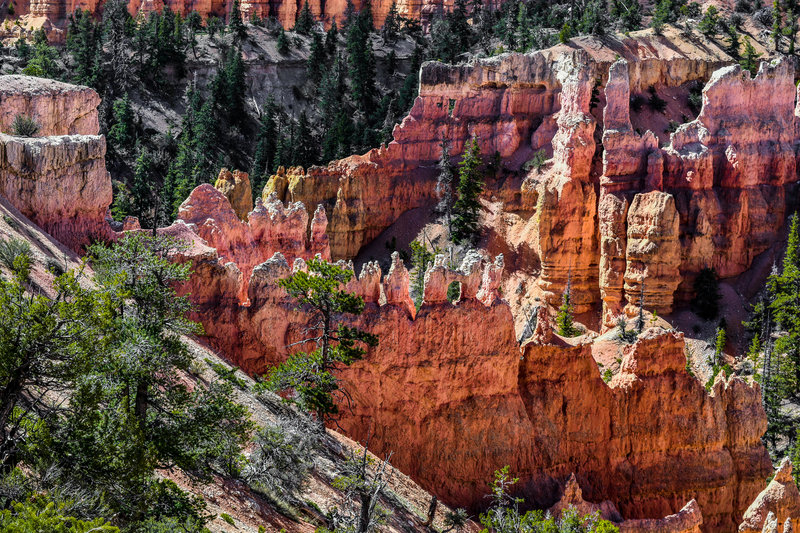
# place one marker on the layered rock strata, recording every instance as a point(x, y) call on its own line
point(621, 217)
point(61, 183)
point(58, 180)
point(268, 228)
point(453, 401)
point(58, 108)
point(52, 14)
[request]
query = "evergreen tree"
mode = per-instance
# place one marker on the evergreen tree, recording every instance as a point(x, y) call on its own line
point(466, 210)
point(122, 134)
point(305, 20)
point(331, 39)
point(235, 23)
point(627, 14)
point(733, 41)
point(349, 15)
point(444, 183)
point(266, 144)
point(786, 311)
point(709, 24)
point(391, 26)
point(421, 259)
point(564, 318)
point(83, 43)
point(459, 25)
point(750, 59)
point(142, 190)
point(361, 62)
point(316, 59)
point(595, 18)
point(307, 145)
point(662, 15)
point(282, 45)
point(777, 24)
point(720, 339)
point(311, 376)
point(42, 62)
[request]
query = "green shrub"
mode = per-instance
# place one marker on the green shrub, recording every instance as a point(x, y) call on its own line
point(536, 161)
point(15, 255)
point(24, 126)
point(228, 518)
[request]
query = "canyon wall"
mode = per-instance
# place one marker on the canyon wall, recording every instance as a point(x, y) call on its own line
point(51, 15)
point(60, 180)
point(453, 401)
point(619, 214)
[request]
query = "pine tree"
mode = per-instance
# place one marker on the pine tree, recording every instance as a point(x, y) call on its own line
point(733, 41)
point(316, 59)
point(282, 45)
point(709, 24)
point(235, 23)
point(459, 25)
point(421, 258)
point(391, 26)
point(640, 319)
point(777, 24)
point(141, 189)
point(444, 183)
point(720, 339)
point(307, 152)
point(122, 133)
point(361, 63)
point(332, 39)
point(266, 144)
point(305, 20)
point(750, 60)
point(564, 318)
point(663, 14)
point(466, 210)
point(83, 39)
point(349, 15)
point(311, 376)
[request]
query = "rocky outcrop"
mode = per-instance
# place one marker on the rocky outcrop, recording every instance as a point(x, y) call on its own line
point(52, 15)
point(722, 179)
point(776, 507)
point(236, 188)
point(58, 108)
point(687, 520)
point(268, 228)
point(58, 180)
point(61, 183)
point(453, 401)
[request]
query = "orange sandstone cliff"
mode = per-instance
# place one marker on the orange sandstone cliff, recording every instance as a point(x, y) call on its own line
point(615, 207)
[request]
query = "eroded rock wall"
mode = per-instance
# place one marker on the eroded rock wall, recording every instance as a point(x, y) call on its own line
point(454, 401)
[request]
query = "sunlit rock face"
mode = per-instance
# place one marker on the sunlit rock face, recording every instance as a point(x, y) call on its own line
point(58, 179)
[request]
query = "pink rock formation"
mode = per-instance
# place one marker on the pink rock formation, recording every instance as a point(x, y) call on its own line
point(780, 499)
point(61, 183)
point(52, 14)
point(435, 388)
point(58, 108)
point(268, 229)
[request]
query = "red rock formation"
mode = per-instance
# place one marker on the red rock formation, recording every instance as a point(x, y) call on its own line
point(269, 228)
point(454, 401)
point(58, 108)
point(780, 499)
point(51, 15)
point(58, 181)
